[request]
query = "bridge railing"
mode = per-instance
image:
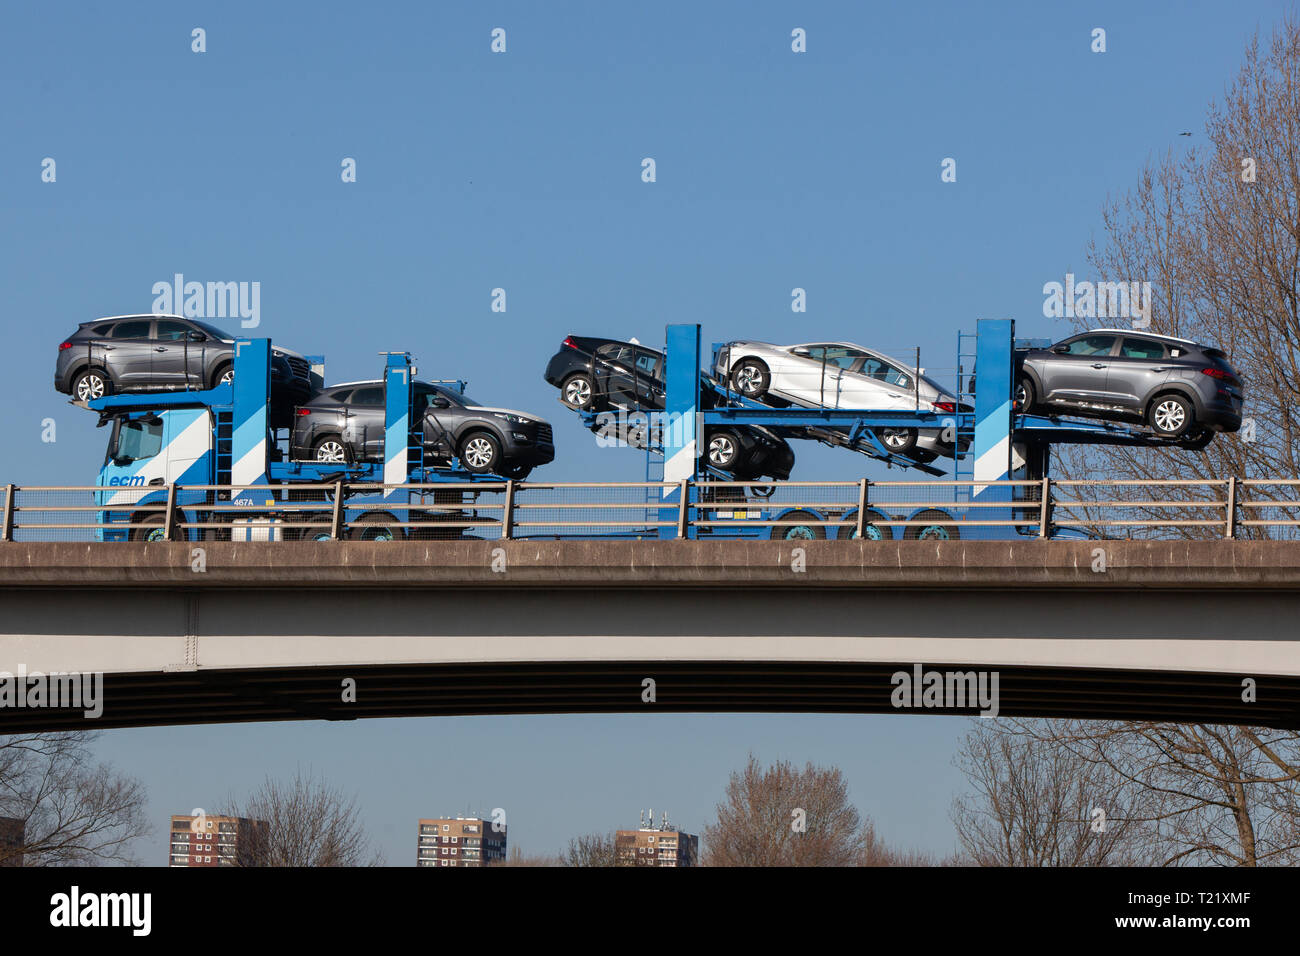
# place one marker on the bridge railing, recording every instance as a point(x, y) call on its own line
point(1211, 508)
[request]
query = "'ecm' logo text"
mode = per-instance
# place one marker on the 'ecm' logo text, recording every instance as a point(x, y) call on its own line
point(127, 480)
point(945, 690)
point(74, 909)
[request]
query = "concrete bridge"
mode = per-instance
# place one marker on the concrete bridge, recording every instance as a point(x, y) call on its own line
point(272, 631)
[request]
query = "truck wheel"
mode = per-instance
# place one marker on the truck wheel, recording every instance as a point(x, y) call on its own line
point(330, 448)
point(751, 377)
point(516, 472)
point(91, 383)
point(1171, 416)
point(374, 528)
point(312, 534)
point(577, 392)
point(870, 530)
point(149, 528)
point(801, 532)
point(899, 441)
point(934, 532)
point(480, 453)
point(1199, 441)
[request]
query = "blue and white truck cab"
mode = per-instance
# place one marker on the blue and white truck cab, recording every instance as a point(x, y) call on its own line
point(165, 450)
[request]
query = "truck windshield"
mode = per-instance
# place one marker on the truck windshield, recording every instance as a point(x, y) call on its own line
point(135, 440)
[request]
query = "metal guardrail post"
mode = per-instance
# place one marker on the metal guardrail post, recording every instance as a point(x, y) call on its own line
point(862, 508)
point(7, 531)
point(336, 520)
point(683, 506)
point(169, 523)
point(1044, 507)
point(1230, 527)
point(508, 511)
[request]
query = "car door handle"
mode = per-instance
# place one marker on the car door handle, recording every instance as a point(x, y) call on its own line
point(1098, 365)
point(1160, 369)
point(160, 349)
point(157, 481)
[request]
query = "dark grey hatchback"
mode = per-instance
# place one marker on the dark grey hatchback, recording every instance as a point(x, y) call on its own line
point(1182, 390)
point(130, 353)
point(345, 423)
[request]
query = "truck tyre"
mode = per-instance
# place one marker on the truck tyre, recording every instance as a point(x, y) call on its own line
point(91, 383)
point(935, 532)
point(807, 532)
point(374, 528)
point(148, 528)
point(312, 534)
point(871, 531)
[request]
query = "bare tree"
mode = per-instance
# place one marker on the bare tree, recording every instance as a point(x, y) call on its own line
point(1218, 795)
point(74, 812)
point(516, 857)
point(591, 849)
point(783, 816)
point(1217, 233)
point(307, 822)
point(1037, 803)
point(876, 852)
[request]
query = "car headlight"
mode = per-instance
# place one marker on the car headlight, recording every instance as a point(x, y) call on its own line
point(516, 419)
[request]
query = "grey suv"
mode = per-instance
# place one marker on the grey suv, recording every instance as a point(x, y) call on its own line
point(1182, 390)
point(346, 423)
point(129, 353)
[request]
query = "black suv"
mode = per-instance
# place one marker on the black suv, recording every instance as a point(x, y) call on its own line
point(596, 374)
point(345, 423)
point(143, 353)
point(1182, 390)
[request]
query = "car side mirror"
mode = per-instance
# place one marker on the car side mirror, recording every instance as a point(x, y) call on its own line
point(196, 337)
point(439, 402)
point(1061, 349)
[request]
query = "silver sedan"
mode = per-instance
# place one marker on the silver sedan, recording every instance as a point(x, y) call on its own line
point(841, 375)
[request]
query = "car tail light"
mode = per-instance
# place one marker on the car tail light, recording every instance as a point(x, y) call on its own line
point(946, 406)
point(1221, 375)
point(65, 345)
point(568, 343)
point(303, 411)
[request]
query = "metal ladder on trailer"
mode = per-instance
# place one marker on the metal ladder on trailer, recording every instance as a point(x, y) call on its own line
point(963, 468)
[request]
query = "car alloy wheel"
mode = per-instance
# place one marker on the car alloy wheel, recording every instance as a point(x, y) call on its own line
point(898, 440)
point(722, 451)
point(331, 450)
point(479, 452)
point(1169, 416)
point(89, 386)
point(749, 379)
point(577, 392)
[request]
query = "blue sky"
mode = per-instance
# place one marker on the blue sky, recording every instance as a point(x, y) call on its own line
point(522, 171)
